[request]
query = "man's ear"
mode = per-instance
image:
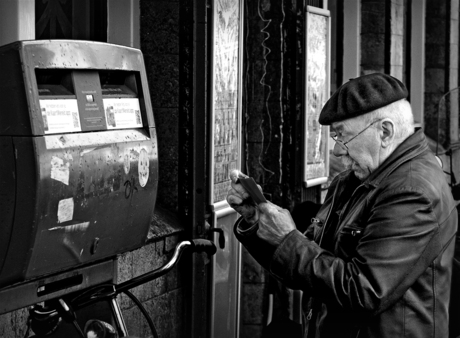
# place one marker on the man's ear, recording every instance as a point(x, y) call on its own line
point(387, 132)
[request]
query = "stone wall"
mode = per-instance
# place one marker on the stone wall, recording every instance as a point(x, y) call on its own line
point(163, 298)
point(14, 324)
point(254, 298)
point(373, 37)
point(435, 64)
point(159, 26)
point(442, 78)
point(384, 37)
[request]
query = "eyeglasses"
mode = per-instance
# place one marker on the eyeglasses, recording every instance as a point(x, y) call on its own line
point(344, 144)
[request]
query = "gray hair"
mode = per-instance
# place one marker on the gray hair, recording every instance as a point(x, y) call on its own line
point(400, 112)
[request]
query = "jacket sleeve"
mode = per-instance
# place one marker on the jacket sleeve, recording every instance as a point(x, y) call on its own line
point(259, 249)
point(401, 239)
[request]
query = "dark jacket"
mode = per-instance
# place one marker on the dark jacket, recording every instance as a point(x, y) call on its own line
point(377, 261)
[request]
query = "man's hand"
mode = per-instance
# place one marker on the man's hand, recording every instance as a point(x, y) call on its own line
point(274, 223)
point(239, 199)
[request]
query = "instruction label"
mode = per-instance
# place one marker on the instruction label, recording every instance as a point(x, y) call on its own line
point(122, 113)
point(60, 116)
point(89, 98)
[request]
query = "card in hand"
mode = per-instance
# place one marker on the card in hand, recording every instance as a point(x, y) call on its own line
point(250, 185)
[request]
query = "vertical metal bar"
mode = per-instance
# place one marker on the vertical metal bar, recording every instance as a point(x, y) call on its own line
point(241, 52)
point(200, 287)
point(119, 317)
point(193, 112)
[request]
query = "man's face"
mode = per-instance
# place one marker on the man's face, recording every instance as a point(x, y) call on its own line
point(357, 146)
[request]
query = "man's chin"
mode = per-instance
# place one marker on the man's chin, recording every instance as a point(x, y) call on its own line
point(360, 174)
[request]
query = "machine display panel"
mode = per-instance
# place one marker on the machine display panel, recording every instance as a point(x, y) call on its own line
point(88, 100)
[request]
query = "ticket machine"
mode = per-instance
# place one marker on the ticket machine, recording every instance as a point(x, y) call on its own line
point(79, 165)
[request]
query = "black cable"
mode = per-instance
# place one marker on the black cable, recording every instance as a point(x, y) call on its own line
point(144, 312)
point(78, 328)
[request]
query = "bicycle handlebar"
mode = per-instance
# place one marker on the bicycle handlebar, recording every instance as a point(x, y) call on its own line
point(196, 245)
point(204, 245)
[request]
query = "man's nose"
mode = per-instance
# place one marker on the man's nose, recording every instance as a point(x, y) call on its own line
point(339, 150)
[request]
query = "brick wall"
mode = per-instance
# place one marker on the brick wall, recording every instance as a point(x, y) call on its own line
point(13, 324)
point(254, 302)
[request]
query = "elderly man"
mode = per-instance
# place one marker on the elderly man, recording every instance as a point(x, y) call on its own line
point(377, 259)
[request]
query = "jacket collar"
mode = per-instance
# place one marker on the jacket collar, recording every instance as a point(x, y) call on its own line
point(413, 146)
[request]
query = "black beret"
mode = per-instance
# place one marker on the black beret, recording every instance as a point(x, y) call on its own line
point(362, 95)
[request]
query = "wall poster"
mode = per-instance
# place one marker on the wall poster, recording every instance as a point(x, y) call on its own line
point(226, 95)
point(316, 153)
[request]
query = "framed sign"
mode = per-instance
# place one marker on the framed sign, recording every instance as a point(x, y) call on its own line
point(226, 102)
point(317, 74)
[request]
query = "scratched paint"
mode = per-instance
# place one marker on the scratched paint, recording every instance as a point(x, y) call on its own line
point(60, 170)
point(86, 151)
point(80, 227)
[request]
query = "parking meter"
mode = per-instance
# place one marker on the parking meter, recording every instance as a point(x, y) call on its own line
point(78, 147)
